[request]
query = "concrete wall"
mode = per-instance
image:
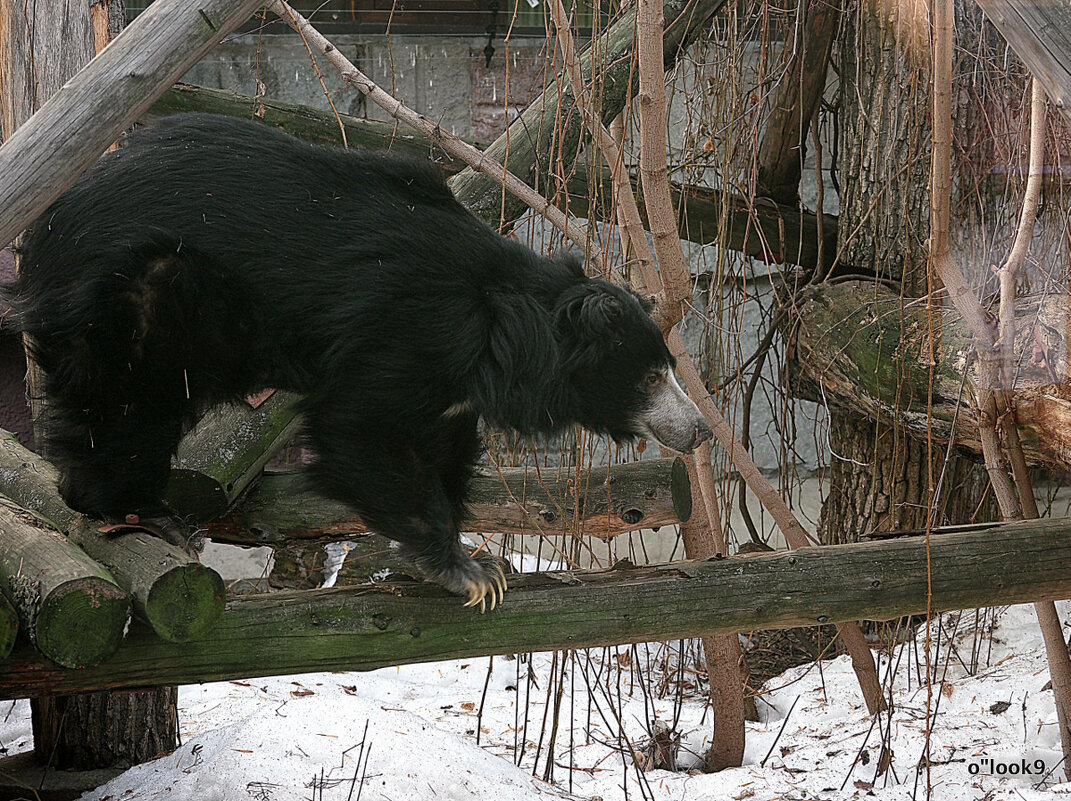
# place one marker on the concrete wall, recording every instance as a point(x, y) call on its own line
point(445, 77)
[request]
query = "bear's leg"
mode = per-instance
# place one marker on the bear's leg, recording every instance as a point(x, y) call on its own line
point(394, 481)
point(116, 463)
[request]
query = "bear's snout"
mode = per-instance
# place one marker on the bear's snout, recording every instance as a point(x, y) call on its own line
point(673, 419)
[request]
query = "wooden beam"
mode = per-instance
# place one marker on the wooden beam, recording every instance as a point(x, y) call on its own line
point(1040, 34)
point(51, 149)
point(369, 627)
point(602, 502)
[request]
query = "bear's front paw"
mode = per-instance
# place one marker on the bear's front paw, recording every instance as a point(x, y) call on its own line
point(478, 577)
point(487, 580)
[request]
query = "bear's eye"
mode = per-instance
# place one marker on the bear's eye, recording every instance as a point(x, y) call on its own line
point(653, 379)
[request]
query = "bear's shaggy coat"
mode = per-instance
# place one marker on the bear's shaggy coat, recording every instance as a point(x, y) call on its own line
point(209, 258)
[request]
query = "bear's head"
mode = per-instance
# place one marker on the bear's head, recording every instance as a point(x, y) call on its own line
point(618, 369)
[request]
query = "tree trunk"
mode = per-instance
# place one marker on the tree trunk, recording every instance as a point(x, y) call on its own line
point(140, 725)
point(42, 46)
point(880, 478)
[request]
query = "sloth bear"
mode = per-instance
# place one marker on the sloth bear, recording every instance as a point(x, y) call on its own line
point(209, 258)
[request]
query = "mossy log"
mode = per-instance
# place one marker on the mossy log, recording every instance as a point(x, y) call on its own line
point(70, 607)
point(602, 502)
point(226, 451)
point(177, 595)
point(862, 347)
point(363, 628)
point(304, 122)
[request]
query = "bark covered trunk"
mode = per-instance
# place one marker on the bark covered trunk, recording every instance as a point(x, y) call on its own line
point(881, 478)
point(141, 725)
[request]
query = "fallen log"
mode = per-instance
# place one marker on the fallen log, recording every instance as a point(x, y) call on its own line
point(861, 347)
point(226, 451)
point(364, 628)
point(602, 502)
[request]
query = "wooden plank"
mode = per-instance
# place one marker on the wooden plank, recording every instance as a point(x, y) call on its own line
point(1040, 34)
point(364, 628)
point(51, 149)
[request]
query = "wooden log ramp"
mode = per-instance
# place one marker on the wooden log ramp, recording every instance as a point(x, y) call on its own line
point(368, 627)
point(74, 593)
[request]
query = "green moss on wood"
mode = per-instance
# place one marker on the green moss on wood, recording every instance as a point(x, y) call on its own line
point(9, 626)
point(185, 603)
point(81, 623)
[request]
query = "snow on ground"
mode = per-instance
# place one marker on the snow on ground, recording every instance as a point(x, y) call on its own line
point(410, 732)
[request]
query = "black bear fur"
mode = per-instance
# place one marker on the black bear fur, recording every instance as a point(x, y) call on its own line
point(209, 258)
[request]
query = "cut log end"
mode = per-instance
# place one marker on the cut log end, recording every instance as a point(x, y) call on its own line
point(681, 490)
point(185, 602)
point(81, 623)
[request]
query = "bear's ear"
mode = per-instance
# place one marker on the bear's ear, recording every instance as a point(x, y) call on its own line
point(588, 310)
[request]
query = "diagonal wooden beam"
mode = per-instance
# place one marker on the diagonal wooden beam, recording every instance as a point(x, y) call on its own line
point(1040, 34)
